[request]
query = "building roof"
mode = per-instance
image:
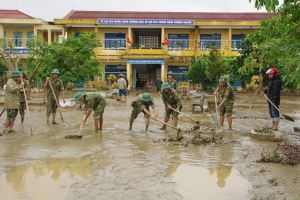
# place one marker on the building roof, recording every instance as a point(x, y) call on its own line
point(14, 14)
point(77, 14)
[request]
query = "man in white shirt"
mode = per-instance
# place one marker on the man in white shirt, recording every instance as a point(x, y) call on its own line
point(122, 88)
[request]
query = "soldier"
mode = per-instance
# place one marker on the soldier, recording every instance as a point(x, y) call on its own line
point(53, 96)
point(93, 102)
point(171, 81)
point(12, 104)
point(142, 104)
point(227, 97)
point(22, 98)
point(171, 98)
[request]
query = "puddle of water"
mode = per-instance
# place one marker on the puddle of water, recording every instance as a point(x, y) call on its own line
point(220, 183)
point(47, 180)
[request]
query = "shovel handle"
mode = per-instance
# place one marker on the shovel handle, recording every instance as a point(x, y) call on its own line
point(57, 103)
point(27, 107)
point(158, 120)
point(216, 104)
point(2, 112)
point(271, 102)
point(183, 114)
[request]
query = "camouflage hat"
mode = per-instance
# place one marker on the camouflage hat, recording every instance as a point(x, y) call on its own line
point(170, 73)
point(78, 95)
point(165, 86)
point(223, 79)
point(146, 97)
point(55, 71)
point(16, 74)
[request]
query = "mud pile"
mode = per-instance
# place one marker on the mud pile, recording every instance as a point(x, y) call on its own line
point(266, 134)
point(199, 135)
point(284, 153)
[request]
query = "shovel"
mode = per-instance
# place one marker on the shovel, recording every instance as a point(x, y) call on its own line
point(2, 112)
point(61, 117)
point(158, 120)
point(27, 108)
point(196, 121)
point(289, 118)
point(217, 115)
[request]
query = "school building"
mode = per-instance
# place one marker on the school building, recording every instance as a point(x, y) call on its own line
point(142, 45)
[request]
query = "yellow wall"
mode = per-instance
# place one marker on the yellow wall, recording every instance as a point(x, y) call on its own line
point(11, 29)
point(242, 31)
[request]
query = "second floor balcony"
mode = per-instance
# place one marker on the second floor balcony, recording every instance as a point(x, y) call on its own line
point(16, 45)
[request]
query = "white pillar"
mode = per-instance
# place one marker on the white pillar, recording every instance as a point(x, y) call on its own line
point(35, 31)
point(49, 36)
point(129, 35)
point(1, 31)
point(163, 72)
point(129, 74)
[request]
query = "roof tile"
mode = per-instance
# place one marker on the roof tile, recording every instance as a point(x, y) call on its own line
point(167, 15)
point(14, 14)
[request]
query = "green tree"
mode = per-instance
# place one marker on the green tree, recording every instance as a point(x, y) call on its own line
point(208, 69)
point(74, 57)
point(277, 43)
point(197, 70)
point(217, 65)
point(8, 58)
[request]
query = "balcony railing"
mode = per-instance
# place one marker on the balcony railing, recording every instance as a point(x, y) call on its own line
point(16, 45)
point(237, 45)
point(178, 44)
point(209, 44)
point(114, 44)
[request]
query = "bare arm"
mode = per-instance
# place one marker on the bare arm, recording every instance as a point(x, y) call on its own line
point(86, 115)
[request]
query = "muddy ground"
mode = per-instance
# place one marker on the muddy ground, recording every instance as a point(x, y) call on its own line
point(118, 164)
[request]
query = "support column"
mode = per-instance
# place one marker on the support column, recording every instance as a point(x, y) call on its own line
point(196, 45)
point(129, 75)
point(163, 38)
point(35, 31)
point(63, 32)
point(49, 36)
point(129, 36)
point(1, 31)
point(164, 69)
point(229, 40)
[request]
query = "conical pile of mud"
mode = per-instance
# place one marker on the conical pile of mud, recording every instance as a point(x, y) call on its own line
point(284, 153)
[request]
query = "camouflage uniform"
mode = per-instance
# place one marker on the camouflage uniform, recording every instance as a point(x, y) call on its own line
point(173, 84)
point(22, 98)
point(173, 100)
point(96, 103)
point(228, 95)
point(12, 103)
point(57, 86)
point(138, 108)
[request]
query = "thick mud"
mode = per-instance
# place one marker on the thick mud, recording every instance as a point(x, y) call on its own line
point(118, 164)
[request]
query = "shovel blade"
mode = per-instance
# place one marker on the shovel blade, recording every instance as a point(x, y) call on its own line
point(288, 118)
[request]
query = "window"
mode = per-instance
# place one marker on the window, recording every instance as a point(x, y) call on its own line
point(236, 43)
point(178, 41)
point(180, 73)
point(207, 41)
point(115, 41)
point(29, 37)
point(114, 69)
point(17, 39)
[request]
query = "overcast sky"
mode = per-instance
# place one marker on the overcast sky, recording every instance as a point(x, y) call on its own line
point(50, 9)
